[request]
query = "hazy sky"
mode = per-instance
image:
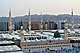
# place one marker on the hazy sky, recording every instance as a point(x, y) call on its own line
point(20, 7)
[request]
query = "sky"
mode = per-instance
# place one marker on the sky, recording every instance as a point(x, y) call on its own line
point(53, 7)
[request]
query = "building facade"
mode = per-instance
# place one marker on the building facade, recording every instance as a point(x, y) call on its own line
point(36, 25)
point(3, 26)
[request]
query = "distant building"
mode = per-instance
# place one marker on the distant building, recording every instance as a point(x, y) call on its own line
point(60, 24)
point(17, 25)
point(3, 26)
point(35, 25)
point(52, 25)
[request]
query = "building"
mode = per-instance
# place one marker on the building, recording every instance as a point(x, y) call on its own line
point(60, 24)
point(9, 47)
point(35, 25)
point(40, 41)
point(3, 26)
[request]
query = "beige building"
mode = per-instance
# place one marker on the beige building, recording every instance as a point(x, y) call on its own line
point(38, 42)
point(36, 25)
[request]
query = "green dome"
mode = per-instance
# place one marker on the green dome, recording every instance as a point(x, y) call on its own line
point(57, 34)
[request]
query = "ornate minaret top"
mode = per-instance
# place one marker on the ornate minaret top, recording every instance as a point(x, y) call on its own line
point(29, 21)
point(41, 24)
point(72, 20)
point(10, 21)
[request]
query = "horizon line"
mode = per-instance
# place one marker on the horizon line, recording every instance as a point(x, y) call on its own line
point(42, 14)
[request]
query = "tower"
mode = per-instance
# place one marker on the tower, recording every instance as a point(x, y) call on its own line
point(10, 21)
point(29, 21)
point(72, 20)
point(66, 30)
point(21, 38)
point(21, 34)
point(41, 24)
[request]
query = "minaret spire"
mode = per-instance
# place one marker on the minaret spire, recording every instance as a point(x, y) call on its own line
point(72, 20)
point(29, 21)
point(41, 23)
point(10, 21)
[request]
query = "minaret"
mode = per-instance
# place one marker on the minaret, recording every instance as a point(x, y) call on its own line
point(41, 24)
point(29, 21)
point(72, 20)
point(22, 34)
point(66, 30)
point(10, 21)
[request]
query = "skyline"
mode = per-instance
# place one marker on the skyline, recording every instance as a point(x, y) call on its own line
point(53, 7)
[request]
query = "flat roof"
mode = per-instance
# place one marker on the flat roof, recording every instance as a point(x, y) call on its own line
point(9, 48)
point(74, 38)
point(5, 36)
point(15, 52)
point(6, 42)
point(49, 38)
